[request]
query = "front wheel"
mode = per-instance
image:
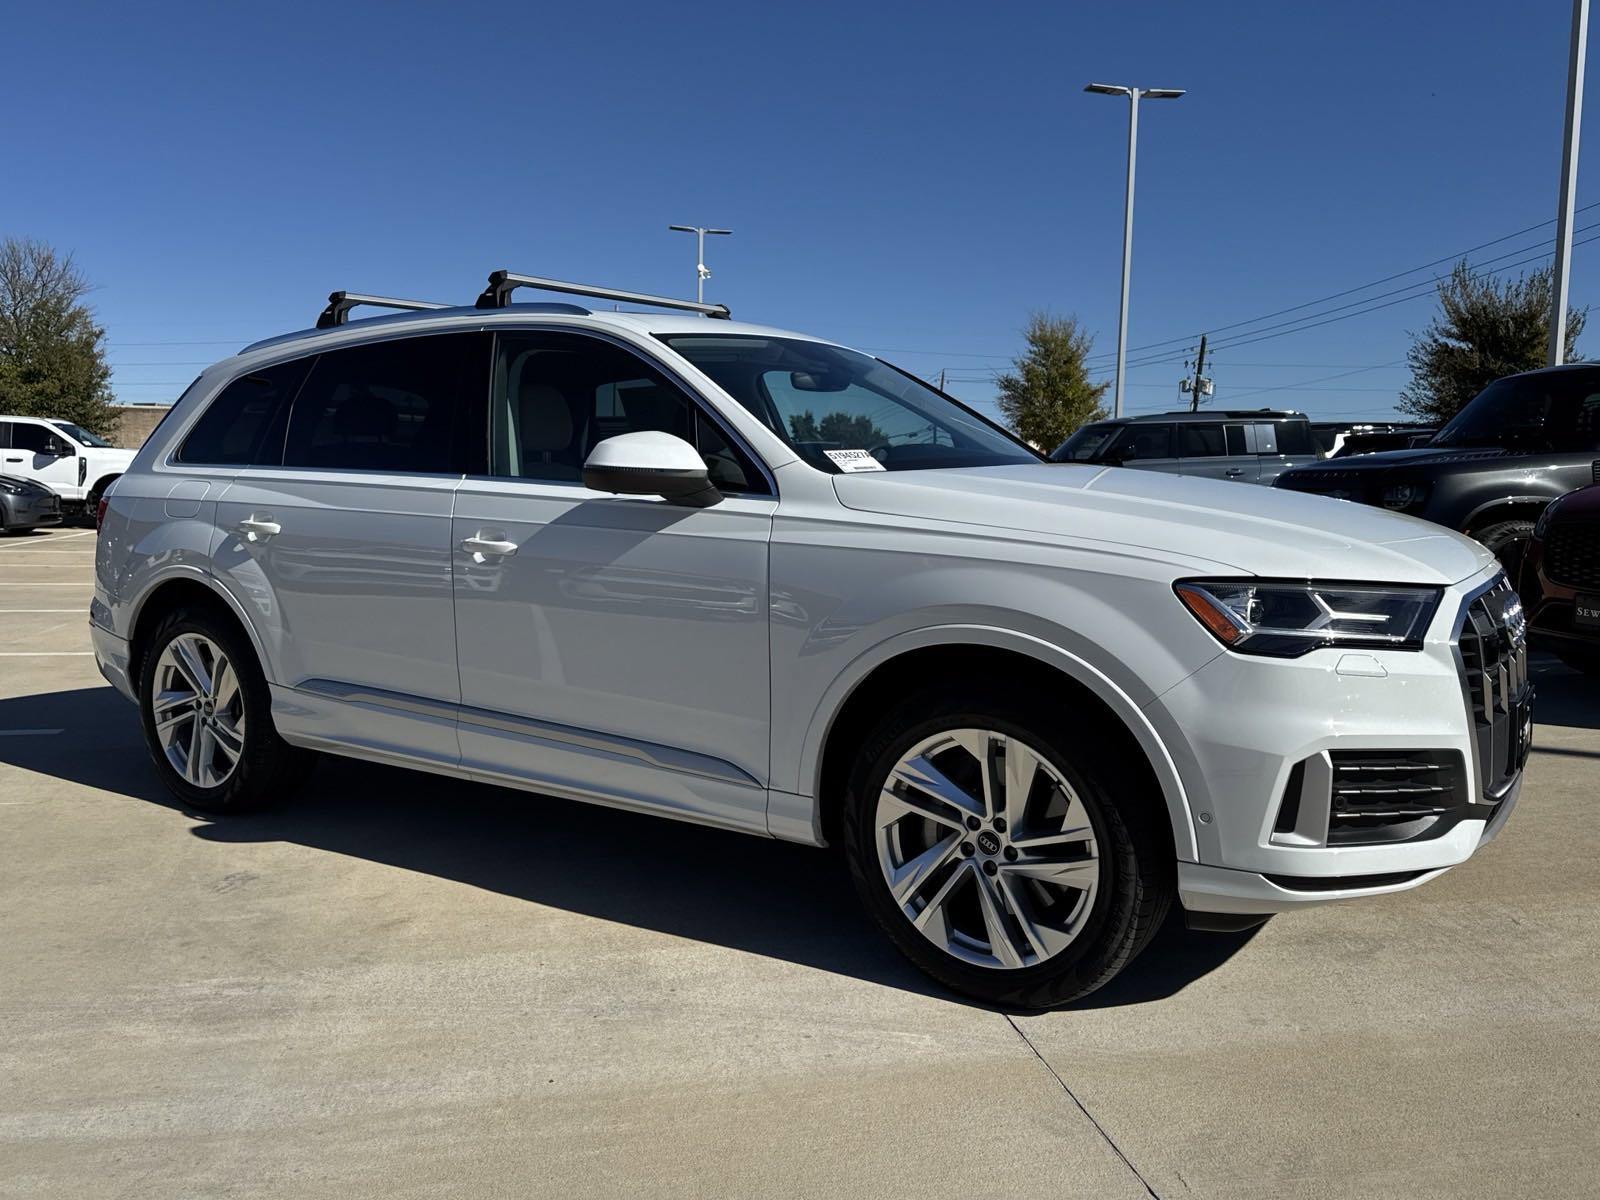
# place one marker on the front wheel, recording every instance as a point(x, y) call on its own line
point(1507, 541)
point(207, 716)
point(998, 853)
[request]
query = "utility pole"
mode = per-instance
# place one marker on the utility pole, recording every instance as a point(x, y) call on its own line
point(941, 379)
point(701, 271)
point(1199, 385)
point(1569, 183)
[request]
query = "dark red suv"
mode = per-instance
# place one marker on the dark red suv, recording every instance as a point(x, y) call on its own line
point(1561, 579)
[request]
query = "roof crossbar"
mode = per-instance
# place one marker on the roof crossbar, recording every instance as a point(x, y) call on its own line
point(503, 283)
point(340, 304)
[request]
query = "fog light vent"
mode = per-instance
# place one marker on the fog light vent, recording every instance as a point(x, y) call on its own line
point(1392, 796)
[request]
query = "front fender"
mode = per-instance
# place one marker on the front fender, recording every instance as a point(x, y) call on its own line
point(1069, 664)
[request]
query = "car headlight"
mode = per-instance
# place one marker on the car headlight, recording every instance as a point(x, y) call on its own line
point(11, 489)
point(1286, 620)
point(1401, 496)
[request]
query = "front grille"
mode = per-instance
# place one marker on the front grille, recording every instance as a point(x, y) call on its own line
point(1572, 554)
point(1494, 662)
point(1383, 796)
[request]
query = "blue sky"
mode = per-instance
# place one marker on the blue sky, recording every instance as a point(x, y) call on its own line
point(911, 179)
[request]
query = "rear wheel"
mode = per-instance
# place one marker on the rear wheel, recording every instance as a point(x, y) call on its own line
point(207, 716)
point(998, 852)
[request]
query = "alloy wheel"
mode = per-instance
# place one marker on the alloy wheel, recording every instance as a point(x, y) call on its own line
point(198, 710)
point(987, 850)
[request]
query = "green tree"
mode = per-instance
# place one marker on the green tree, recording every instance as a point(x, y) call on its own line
point(1484, 330)
point(52, 353)
point(836, 428)
point(1048, 394)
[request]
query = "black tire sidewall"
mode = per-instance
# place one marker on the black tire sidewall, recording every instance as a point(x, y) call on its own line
point(246, 788)
point(1102, 946)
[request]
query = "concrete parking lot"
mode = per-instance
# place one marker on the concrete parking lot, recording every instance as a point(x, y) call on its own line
point(399, 985)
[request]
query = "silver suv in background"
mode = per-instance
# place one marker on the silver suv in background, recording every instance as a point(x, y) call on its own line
point(748, 578)
point(1247, 446)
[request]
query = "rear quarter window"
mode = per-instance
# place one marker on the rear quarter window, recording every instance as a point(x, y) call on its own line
point(244, 424)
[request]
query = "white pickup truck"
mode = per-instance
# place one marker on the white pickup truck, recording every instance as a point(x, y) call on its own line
point(70, 461)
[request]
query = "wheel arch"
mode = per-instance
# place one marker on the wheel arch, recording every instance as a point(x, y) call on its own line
point(1505, 508)
point(184, 586)
point(841, 721)
point(99, 486)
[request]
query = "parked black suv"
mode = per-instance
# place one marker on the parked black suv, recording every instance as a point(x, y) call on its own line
point(1520, 443)
point(1249, 446)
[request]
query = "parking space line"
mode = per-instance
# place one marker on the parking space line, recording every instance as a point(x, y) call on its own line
point(65, 537)
point(5, 611)
point(46, 653)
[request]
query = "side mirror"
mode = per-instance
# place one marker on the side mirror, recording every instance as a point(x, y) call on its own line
point(57, 448)
point(651, 463)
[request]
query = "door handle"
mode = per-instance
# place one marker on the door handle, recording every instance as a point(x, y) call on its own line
point(485, 548)
point(1233, 472)
point(256, 529)
point(10, 459)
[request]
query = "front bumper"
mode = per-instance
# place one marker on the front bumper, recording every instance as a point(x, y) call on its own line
point(31, 510)
point(1248, 736)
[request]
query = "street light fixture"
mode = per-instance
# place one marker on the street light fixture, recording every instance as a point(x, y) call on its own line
point(1134, 95)
point(701, 271)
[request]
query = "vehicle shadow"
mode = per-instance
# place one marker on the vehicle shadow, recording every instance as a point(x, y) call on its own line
point(772, 898)
point(1563, 696)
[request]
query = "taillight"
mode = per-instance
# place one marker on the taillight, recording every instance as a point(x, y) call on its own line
point(100, 512)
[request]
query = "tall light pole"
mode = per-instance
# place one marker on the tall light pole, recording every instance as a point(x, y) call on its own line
point(1134, 95)
point(1569, 183)
point(701, 271)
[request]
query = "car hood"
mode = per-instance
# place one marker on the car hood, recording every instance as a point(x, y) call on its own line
point(1248, 529)
point(110, 454)
point(1428, 457)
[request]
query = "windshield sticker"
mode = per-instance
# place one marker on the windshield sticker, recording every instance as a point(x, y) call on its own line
point(851, 461)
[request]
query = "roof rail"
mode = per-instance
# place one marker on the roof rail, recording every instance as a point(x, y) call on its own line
point(503, 283)
point(340, 304)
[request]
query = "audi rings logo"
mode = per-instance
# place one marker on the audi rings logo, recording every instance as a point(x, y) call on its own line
point(1514, 622)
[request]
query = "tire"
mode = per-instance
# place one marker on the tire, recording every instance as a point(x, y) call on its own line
point(236, 721)
point(1507, 541)
point(1085, 931)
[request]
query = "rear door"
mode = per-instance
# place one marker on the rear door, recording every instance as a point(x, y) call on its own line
point(611, 647)
point(340, 541)
point(1216, 450)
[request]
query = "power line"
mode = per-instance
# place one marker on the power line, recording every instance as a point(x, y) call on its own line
point(1365, 286)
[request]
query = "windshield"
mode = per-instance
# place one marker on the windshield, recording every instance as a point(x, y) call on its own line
point(1087, 444)
point(79, 434)
point(844, 412)
point(1558, 410)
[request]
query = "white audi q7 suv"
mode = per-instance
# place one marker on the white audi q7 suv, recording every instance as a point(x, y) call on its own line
point(748, 578)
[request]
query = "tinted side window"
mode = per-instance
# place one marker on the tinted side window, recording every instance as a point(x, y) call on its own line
point(1143, 441)
point(1241, 439)
point(25, 436)
point(1200, 441)
point(400, 405)
point(1294, 437)
point(5, 434)
point(556, 396)
point(1267, 438)
point(245, 423)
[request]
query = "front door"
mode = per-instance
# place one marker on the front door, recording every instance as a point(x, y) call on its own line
point(611, 647)
point(35, 451)
point(341, 543)
point(1217, 451)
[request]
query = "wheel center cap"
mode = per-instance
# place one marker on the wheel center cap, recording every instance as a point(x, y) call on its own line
point(989, 842)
